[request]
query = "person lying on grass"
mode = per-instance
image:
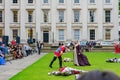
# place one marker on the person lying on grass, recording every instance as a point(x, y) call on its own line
point(113, 60)
point(66, 71)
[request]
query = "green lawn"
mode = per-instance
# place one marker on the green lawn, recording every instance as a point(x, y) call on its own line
point(39, 70)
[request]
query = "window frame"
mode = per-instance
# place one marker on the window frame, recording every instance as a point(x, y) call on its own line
point(92, 34)
point(45, 15)
point(15, 1)
point(76, 1)
point(61, 34)
point(107, 16)
point(45, 1)
point(107, 34)
point(61, 1)
point(30, 16)
point(76, 34)
point(76, 16)
point(15, 33)
point(91, 1)
point(91, 16)
point(1, 1)
point(30, 1)
point(61, 15)
point(107, 2)
point(1, 16)
point(15, 16)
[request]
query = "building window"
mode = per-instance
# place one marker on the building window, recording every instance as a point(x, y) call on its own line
point(61, 16)
point(76, 34)
point(92, 1)
point(30, 32)
point(15, 16)
point(0, 16)
point(76, 16)
point(15, 33)
point(61, 1)
point(30, 1)
point(45, 15)
point(30, 16)
point(107, 34)
point(91, 15)
point(45, 1)
point(92, 34)
point(0, 33)
point(76, 1)
point(15, 1)
point(61, 35)
point(107, 16)
point(0, 1)
point(107, 1)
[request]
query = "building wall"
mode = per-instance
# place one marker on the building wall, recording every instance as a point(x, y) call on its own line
point(53, 25)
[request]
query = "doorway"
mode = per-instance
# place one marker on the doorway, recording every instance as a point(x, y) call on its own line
point(45, 36)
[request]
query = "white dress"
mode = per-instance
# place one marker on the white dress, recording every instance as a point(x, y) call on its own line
point(75, 57)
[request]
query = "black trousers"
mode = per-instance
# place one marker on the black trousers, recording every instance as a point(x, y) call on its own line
point(60, 61)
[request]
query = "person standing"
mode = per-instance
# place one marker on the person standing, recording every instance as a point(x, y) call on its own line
point(81, 58)
point(75, 61)
point(58, 54)
point(39, 47)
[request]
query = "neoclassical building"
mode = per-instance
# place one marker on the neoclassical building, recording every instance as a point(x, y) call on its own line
point(59, 20)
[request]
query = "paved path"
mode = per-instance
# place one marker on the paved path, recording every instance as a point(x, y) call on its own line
point(10, 69)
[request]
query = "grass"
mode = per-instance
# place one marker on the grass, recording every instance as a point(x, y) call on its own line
point(39, 70)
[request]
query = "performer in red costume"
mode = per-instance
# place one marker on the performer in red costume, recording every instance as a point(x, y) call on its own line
point(117, 47)
point(58, 54)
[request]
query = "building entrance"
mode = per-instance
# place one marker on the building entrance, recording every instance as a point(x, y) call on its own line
point(45, 36)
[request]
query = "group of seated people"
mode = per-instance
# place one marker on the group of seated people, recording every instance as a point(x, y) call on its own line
point(17, 50)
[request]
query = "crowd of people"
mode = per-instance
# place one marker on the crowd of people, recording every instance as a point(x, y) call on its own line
point(18, 51)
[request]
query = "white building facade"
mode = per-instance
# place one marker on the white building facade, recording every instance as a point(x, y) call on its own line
point(59, 20)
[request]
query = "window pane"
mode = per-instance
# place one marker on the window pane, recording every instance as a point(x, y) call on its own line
point(14, 1)
point(107, 1)
point(76, 34)
point(92, 12)
point(61, 1)
point(76, 1)
point(30, 16)
point(0, 33)
point(0, 16)
point(0, 1)
point(15, 16)
point(107, 16)
point(30, 33)
point(107, 34)
point(92, 1)
point(30, 1)
point(61, 16)
point(15, 33)
point(92, 34)
point(76, 16)
point(61, 35)
point(45, 1)
point(45, 15)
